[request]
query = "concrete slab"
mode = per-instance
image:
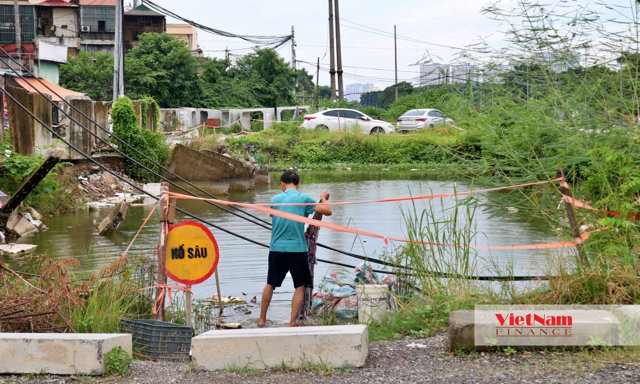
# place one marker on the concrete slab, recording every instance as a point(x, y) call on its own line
point(481, 330)
point(16, 249)
point(20, 226)
point(335, 346)
point(58, 353)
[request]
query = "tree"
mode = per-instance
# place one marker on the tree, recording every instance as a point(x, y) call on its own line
point(388, 95)
point(270, 79)
point(221, 89)
point(162, 67)
point(91, 73)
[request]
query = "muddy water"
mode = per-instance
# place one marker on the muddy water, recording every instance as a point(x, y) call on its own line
point(243, 266)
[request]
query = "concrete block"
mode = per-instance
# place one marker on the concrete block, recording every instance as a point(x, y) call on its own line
point(335, 346)
point(58, 353)
point(461, 330)
point(16, 249)
point(20, 225)
point(480, 329)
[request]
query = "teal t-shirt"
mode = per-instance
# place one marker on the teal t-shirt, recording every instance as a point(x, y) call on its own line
point(288, 235)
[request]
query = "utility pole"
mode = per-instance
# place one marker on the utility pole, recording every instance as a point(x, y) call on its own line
point(332, 60)
point(339, 53)
point(293, 49)
point(395, 50)
point(118, 54)
point(317, 86)
point(226, 53)
point(18, 29)
point(293, 60)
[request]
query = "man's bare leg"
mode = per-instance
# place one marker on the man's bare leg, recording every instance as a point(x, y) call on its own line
point(296, 304)
point(267, 293)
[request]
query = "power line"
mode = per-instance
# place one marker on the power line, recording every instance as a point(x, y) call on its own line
point(88, 157)
point(274, 40)
point(267, 226)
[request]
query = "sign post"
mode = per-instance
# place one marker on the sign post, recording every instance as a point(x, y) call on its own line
point(191, 256)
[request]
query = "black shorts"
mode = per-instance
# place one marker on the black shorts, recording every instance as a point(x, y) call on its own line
point(295, 262)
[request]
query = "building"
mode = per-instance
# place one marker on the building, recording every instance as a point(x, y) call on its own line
point(57, 24)
point(27, 29)
point(97, 25)
point(353, 91)
point(141, 19)
point(433, 73)
point(436, 73)
point(188, 34)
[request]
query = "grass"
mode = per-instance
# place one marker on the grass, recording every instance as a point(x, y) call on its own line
point(284, 145)
point(420, 317)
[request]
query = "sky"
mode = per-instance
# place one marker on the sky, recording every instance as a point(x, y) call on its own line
point(366, 31)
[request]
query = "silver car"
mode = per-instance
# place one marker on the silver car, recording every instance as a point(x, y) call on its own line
point(421, 118)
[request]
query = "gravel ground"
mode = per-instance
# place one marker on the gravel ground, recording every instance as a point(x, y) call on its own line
point(398, 361)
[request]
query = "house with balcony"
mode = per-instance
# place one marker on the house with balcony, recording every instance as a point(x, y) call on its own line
point(97, 25)
point(57, 24)
point(141, 19)
point(27, 29)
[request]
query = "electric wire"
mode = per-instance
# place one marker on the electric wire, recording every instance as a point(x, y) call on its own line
point(94, 161)
point(275, 41)
point(159, 175)
point(130, 147)
point(104, 168)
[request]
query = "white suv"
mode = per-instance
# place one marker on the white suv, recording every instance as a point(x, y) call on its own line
point(342, 119)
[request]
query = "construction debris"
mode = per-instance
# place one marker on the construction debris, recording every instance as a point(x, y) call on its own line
point(114, 219)
point(15, 249)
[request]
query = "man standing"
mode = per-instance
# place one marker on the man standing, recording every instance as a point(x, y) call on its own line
point(288, 248)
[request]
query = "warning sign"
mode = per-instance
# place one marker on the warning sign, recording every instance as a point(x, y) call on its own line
point(192, 253)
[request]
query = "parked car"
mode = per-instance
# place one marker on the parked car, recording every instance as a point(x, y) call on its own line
point(421, 118)
point(342, 119)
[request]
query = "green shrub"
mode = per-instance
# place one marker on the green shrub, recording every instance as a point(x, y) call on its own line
point(56, 193)
point(118, 362)
point(152, 144)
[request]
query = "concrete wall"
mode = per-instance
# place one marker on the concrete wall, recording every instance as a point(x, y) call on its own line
point(49, 71)
point(66, 16)
point(77, 136)
point(172, 119)
point(26, 134)
point(101, 116)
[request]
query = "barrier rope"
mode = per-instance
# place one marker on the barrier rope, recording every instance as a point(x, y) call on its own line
point(579, 204)
point(341, 228)
point(165, 288)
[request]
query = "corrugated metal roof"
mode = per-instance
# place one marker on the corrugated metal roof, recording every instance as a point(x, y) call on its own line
point(98, 2)
point(56, 3)
point(32, 84)
point(142, 10)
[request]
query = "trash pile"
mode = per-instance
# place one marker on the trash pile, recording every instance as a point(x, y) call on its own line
point(338, 293)
point(102, 189)
point(23, 222)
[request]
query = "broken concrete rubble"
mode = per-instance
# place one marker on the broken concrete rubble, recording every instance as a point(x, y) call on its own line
point(114, 219)
point(20, 226)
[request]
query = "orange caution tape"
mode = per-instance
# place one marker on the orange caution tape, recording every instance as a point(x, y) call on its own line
point(397, 199)
point(345, 229)
point(165, 288)
point(579, 204)
point(140, 230)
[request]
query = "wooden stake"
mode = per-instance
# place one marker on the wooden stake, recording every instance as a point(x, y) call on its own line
point(161, 276)
point(220, 305)
point(188, 306)
point(575, 231)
